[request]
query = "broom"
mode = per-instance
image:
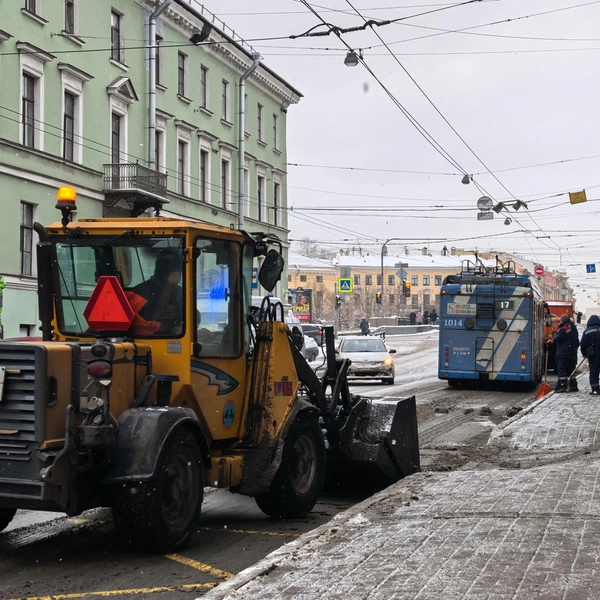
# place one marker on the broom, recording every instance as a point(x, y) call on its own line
point(544, 388)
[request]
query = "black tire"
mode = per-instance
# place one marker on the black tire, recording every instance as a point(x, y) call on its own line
point(6, 516)
point(299, 479)
point(453, 382)
point(159, 515)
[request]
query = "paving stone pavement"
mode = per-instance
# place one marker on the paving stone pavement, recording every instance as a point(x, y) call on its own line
point(485, 533)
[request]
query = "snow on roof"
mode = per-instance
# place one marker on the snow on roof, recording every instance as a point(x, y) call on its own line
point(414, 261)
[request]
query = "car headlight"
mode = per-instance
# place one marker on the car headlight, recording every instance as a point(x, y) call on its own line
point(388, 361)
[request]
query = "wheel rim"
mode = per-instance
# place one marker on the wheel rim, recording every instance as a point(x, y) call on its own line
point(180, 487)
point(303, 464)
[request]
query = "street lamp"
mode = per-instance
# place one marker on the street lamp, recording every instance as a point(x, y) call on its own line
point(382, 294)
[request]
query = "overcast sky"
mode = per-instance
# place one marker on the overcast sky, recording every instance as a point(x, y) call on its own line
point(519, 87)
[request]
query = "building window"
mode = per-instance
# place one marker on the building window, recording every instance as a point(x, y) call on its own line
point(414, 280)
point(259, 117)
point(426, 280)
point(225, 100)
point(224, 182)
point(319, 278)
point(246, 132)
point(27, 238)
point(31, 6)
point(275, 132)
point(69, 127)
point(181, 69)
point(260, 196)
point(158, 149)
point(70, 16)
point(246, 191)
point(392, 299)
point(368, 279)
point(438, 280)
point(276, 202)
point(379, 279)
point(204, 87)
point(181, 167)
point(158, 61)
point(28, 110)
point(116, 45)
point(391, 280)
point(115, 146)
point(303, 278)
point(289, 278)
point(357, 280)
point(415, 301)
point(204, 175)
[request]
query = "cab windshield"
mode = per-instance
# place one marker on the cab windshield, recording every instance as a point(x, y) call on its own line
point(149, 268)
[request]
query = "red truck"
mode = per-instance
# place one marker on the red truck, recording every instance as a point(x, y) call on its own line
point(553, 310)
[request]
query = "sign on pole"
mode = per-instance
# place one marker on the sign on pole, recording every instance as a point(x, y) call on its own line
point(401, 273)
point(539, 270)
point(591, 268)
point(345, 285)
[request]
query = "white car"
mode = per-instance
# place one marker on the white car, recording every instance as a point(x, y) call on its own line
point(371, 359)
point(310, 349)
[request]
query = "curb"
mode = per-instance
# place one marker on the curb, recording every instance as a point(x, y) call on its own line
point(275, 558)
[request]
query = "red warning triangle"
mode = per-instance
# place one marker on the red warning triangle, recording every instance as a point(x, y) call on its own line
point(108, 308)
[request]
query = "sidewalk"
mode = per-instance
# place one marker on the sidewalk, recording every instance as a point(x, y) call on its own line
point(523, 523)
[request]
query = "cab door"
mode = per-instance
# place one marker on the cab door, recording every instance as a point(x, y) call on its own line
point(218, 361)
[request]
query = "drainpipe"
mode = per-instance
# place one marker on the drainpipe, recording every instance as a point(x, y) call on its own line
point(241, 151)
point(152, 92)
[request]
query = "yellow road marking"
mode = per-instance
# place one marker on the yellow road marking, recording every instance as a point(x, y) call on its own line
point(251, 531)
point(132, 592)
point(200, 566)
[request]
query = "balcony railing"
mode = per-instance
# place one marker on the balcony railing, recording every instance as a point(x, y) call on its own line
point(134, 178)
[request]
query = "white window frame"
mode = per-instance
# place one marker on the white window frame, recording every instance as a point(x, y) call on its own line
point(260, 121)
point(426, 279)
point(75, 31)
point(38, 7)
point(261, 200)
point(414, 280)
point(119, 107)
point(33, 239)
point(438, 280)
point(121, 56)
point(225, 101)
point(158, 65)
point(247, 190)
point(275, 132)
point(72, 80)
point(185, 75)
point(277, 208)
point(204, 87)
point(225, 194)
point(206, 146)
point(31, 62)
point(183, 183)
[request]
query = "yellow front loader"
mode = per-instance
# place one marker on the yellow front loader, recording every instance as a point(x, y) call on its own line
point(155, 377)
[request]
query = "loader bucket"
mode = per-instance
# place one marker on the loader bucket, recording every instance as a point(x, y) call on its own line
point(385, 447)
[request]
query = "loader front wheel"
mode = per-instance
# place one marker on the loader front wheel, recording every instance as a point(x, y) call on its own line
point(159, 515)
point(6, 516)
point(299, 479)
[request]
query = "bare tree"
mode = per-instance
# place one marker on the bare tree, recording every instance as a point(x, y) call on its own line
point(309, 248)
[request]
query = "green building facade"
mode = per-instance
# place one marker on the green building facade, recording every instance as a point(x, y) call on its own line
point(75, 96)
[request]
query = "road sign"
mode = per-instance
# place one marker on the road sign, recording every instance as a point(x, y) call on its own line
point(485, 216)
point(108, 308)
point(539, 270)
point(401, 273)
point(577, 197)
point(345, 285)
point(485, 203)
point(591, 268)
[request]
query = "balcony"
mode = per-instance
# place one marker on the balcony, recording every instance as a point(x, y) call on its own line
point(139, 187)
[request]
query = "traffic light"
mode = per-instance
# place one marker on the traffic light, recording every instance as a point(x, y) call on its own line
point(406, 289)
point(378, 298)
point(338, 300)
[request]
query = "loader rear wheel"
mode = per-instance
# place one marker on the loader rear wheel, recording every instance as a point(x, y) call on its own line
point(299, 479)
point(159, 515)
point(6, 516)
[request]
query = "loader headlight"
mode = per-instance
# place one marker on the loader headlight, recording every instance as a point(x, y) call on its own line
point(388, 361)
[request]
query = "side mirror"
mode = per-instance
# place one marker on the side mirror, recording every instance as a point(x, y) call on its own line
point(271, 270)
point(393, 351)
point(548, 321)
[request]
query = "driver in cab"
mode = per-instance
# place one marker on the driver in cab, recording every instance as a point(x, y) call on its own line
point(158, 302)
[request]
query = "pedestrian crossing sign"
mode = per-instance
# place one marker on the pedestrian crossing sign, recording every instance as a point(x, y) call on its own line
point(345, 284)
